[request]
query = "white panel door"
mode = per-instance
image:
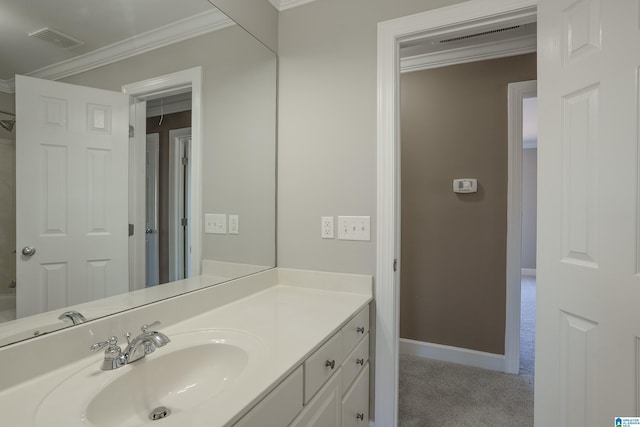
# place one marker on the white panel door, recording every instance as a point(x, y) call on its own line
point(588, 315)
point(71, 181)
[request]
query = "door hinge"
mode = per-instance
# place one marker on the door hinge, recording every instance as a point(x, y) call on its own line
point(132, 132)
point(130, 229)
point(395, 265)
point(184, 222)
point(185, 161)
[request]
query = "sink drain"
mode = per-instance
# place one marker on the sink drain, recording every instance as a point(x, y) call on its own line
point(159, 413)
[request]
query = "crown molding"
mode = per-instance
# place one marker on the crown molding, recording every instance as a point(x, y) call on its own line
point(494, 50)
point(172, 33)
point(288, 4)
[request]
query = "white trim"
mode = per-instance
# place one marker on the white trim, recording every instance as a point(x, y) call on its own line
point(171, 33)
point(528, 272)
point(176, 193)
point(171, 83)
point(288, 4)
point(499, 49)
point(446, 353)
point(137, 206)
point(469, 14)
point(516, 93)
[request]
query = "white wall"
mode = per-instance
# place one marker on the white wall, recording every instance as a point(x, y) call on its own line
point(327, 126)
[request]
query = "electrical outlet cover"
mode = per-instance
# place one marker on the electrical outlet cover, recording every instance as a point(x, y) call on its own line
point(327, 227)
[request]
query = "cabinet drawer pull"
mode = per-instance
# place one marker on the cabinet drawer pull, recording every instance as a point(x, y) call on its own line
point(360, 362)
point(360, 417)
point(330, 364)
point(360, 329)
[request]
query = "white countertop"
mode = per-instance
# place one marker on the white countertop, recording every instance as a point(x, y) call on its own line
point(289, 321)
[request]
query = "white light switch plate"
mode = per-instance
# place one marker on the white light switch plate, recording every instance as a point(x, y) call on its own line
point(326, 231)
point(354, 228)
point(215, 223)
point(234, 224)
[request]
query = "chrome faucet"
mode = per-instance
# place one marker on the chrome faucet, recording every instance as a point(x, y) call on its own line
point(75, 317)
point(145, 343)
point(137, 348)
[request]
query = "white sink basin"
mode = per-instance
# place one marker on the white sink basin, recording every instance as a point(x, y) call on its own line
point(192, 369)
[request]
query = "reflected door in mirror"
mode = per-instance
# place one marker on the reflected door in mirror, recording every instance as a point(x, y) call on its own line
point(71, 177)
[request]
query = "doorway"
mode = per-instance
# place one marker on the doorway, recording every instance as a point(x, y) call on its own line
point(158, 105)
point(168, 218)
point(391, 34)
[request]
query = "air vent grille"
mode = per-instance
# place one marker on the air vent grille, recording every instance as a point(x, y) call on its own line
point(56, 38)
point(483, 33)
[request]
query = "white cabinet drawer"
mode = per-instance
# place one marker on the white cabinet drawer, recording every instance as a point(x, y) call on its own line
point(280, 406)
point(355, 405)
point(355, 362)
point(353, 331)
point(325, 409)
point(321, 365)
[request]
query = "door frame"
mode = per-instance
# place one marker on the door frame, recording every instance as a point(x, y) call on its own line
point(151, 224)
point(517, 92)
point(157, 87)
point(176, 194)
point(391, 34)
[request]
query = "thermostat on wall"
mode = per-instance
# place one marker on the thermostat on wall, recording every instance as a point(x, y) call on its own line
point(465, 185)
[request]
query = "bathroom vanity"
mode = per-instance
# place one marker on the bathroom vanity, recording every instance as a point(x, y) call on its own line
point(277, 348)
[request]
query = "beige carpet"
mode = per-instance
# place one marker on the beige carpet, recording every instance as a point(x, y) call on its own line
point(434, 393)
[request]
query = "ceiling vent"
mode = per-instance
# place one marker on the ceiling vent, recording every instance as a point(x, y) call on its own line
point(480, 34)
point(56, 38)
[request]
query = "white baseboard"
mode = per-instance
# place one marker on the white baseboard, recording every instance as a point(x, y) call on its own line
point(529, 272)
point(445, 353)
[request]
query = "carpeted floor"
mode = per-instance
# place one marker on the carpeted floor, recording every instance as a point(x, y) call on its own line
point(434, 393)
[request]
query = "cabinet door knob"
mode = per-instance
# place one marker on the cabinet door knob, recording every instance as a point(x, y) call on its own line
point(330, 364)
point(360, 417)
point(360, 362)
point(360, 329)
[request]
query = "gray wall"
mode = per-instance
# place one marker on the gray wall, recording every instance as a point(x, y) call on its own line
point(259, 17)
point(8, 104)
point(238, 148)
point(327, 126)
point(453, 260)
point(529, 206)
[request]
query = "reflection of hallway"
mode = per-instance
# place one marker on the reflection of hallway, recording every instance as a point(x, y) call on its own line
point(527, 327)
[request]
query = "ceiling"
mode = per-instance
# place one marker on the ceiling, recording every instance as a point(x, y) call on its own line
point(97, 24)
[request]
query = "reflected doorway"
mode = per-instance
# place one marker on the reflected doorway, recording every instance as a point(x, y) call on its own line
point(168, 189)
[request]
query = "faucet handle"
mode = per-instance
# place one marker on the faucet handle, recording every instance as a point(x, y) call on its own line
point(111, 342)
point(144, 328)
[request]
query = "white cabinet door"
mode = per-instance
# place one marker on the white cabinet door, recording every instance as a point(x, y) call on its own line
point(355, 405)
point(588, 321)
point(279, 407)
point(324, 410)
point(72, 151)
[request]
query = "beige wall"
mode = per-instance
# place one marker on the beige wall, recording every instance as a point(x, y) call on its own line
point(529, 206)
point(238, 147)
point(453, 261)
point(327, 126)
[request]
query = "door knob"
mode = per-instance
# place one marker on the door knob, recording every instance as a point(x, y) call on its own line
point(28, 251)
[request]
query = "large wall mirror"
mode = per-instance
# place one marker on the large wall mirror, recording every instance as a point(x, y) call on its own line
point(179, 179)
